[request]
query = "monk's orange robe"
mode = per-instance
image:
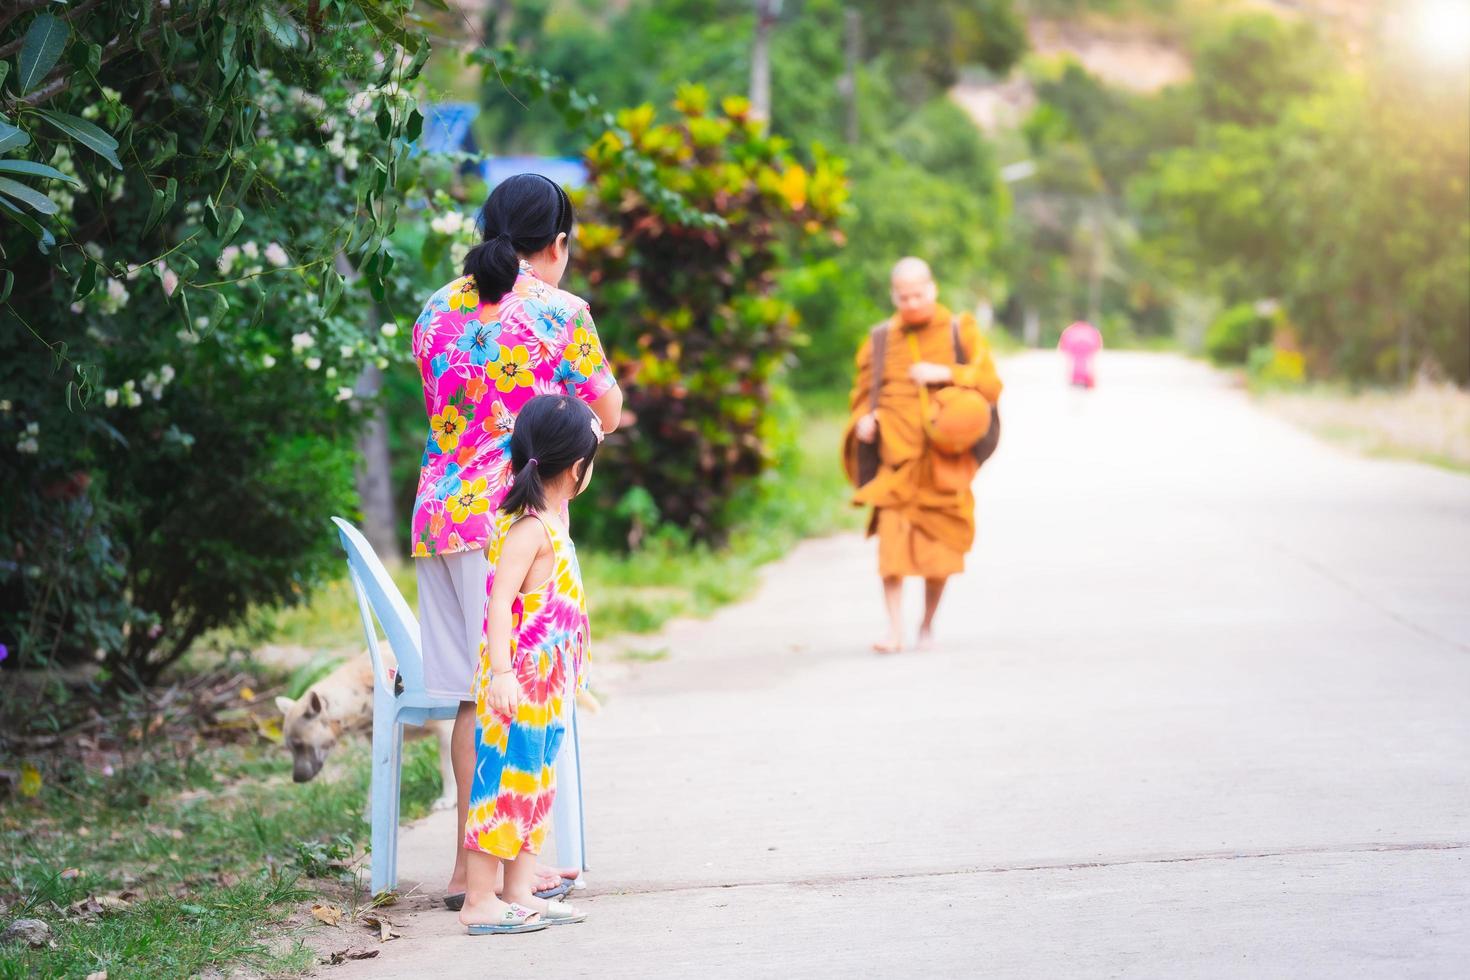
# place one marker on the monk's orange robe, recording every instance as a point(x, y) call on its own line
point(923, 508)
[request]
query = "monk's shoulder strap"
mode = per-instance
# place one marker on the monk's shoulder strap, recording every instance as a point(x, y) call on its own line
point(959, 348)
point(878, 337)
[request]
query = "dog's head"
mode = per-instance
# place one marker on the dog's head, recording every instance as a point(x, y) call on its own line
point(308, 732)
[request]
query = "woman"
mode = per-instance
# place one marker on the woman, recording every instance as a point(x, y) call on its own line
point(486, 344)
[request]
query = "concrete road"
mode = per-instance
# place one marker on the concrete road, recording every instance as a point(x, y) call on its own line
point(1202, 710)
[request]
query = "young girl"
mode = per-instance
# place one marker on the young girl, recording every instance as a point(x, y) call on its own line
point(535, 640)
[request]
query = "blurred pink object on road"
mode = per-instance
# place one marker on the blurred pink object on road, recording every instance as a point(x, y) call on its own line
point(1081, 342)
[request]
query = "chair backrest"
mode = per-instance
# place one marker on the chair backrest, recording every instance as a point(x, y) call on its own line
point(377, 596)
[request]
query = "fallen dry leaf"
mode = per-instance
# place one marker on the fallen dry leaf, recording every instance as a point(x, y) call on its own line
point(327, 914)
point(342, 956)
point(386, 930)
point(99, 975)
point(71, 873)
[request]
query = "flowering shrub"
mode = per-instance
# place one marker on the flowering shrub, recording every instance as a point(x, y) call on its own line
point(195, 267)
point(688, 313)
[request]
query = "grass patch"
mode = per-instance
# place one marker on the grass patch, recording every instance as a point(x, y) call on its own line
point(192, 863)
point(1428, 423)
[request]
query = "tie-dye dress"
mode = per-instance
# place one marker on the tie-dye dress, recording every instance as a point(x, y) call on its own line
point(515, 776)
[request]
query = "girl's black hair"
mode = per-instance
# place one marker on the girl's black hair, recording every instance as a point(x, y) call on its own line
point(523, 215)
point(551, 433)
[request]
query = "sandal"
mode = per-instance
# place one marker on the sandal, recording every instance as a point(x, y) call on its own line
point(455, 901)
point(516, 919)
point(555, 891)
point(562, 914)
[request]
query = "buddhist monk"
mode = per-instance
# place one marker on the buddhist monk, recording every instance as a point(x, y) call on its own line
point(923, 507)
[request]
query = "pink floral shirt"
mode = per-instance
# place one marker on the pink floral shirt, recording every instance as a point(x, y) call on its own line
point(480, 363)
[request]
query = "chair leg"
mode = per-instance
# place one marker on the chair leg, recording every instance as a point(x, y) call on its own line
point(384, 796)
point(395, 802)
point(566, 808)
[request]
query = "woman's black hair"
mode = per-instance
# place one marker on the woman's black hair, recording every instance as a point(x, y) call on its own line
point(522, 216)
point(551, 433)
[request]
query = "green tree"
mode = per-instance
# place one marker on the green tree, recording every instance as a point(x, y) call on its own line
point(191, 279)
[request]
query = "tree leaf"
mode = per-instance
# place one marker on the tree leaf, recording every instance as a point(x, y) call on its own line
point(92, 137)
point(331, 290)
point(11, 137)
point(43, 45)
point(87, 281)
point(43, 234)
point(30, 168)
point(155, 212)
point(281, 28)
point(28, 195)
point(7, 283)
point(230, 220)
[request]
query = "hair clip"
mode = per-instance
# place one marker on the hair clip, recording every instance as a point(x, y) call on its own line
point(597, 429)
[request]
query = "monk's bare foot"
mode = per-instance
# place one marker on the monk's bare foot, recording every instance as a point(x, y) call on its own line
point(926, 641)
point(890, 645)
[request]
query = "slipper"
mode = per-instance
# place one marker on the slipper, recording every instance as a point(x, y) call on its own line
point(555, 891)
point(455, 901)
point(562, 914)
point(517, 918)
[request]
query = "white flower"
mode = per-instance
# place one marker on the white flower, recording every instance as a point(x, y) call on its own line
point(187, 336)
point(115, 297)
point(28, 445)
point(109, 398)
point(170, 281)
point(133, 271)
point(301, 341)
point(347, 351)
point(251, 250)
point(94, 250)
point(299, 154)
point(276, 255)
point(312, 363)
point(389, 329)
point(166, 374)
point(360, 103)
point(350, 158)
point(457, 252)
point(268, 361)
point(4, 404)
point(331, 372)
point(449, 223)
point(111, 94)
point(382, 363)
point(130, 395)
point(153, 384)
point(77, 307)
point(33, 428)
point(227, 259)
point(344, 394)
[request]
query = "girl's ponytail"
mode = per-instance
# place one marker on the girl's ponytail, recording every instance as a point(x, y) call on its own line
point(522, 216)
point(526, 491)
point(494, 264)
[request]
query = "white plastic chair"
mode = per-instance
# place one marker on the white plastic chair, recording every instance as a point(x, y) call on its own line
point(378, 597)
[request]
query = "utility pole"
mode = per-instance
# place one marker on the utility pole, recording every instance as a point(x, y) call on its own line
point(766, 12)
point(852, 23)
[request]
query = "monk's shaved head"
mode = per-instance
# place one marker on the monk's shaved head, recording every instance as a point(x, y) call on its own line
point(914, 292)
point(911, 270)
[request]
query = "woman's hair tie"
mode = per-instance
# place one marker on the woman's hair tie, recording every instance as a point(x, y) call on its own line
point(532, 461)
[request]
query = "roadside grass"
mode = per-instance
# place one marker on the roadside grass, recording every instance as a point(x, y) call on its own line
point(187, 863)
point(1428, 423)
point(803, 495)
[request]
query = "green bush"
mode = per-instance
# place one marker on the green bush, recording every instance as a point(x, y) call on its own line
point(178, 340)
point(690, 316)
point(1233, 335)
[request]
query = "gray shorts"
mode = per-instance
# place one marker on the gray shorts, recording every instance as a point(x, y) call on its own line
point(452, 598)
